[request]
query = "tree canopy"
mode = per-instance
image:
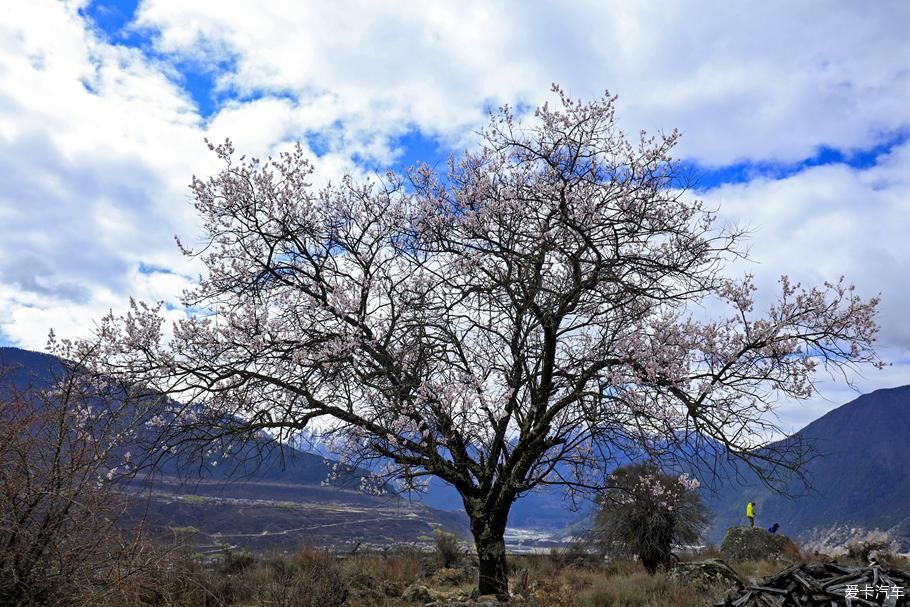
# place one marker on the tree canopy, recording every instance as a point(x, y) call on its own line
point(533, 314)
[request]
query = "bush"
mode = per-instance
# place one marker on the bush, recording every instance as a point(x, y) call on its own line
point(172, 577)
point(233, 563)
point(576, 554)
point(311, 578)
point(64, 527)
point(448, 552)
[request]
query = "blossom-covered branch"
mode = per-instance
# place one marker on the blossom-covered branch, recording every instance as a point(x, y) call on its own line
point(530, 316)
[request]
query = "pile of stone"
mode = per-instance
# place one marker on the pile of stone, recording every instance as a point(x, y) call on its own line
point(827, 585)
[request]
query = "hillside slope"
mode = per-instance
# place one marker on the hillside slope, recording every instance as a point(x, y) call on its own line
point(276, 502)
point(860, 478)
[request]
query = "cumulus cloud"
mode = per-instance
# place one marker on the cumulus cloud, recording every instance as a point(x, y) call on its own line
point(94, 147)
point(745, 80)
point(99, 137)
point(830, 221)
point(823, 223)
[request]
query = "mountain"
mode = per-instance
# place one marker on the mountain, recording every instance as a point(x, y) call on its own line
point(860, 478)
point(544, 509)
point(289, 475)
point(276, 462)
point(274, 502)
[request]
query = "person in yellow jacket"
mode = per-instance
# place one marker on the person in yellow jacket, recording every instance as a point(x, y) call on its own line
point(750, 513)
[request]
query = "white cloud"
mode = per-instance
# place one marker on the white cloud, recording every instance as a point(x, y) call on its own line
point(98, 141)
point(826, 222)
point(831, 221)
point(95, 145)
point(755, 80)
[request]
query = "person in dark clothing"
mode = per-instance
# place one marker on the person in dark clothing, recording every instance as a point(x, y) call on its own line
point(773, 528)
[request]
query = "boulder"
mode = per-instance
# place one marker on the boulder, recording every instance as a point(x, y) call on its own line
point(755, 544)
point(705, 574)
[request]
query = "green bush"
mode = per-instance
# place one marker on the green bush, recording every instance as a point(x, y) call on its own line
point(448, 552)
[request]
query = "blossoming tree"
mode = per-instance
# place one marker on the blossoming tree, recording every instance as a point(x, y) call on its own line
point(520, 319)
point(645, 513)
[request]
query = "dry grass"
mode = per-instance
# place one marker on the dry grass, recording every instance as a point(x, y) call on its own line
point(754, 571)
point(403, 567)
point(554, 581)
point(642, 590)
point(313, 577)
point(380, 578)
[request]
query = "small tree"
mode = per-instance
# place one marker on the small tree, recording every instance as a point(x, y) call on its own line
point(645, 513)
point(448, 552)
point(64, 437)
point(519, 321)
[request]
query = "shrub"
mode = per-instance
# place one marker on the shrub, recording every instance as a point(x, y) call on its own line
point(172, 577)
point(448, 552)
point(233, 563)
point(310, 578)
point(63, 449)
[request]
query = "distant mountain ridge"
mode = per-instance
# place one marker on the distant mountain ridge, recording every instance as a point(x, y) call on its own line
point(277, 502)
point(545, 508)
point(860, 478)
point(281, 464)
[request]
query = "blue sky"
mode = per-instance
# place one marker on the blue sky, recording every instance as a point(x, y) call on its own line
point(114, 21)
point(794, 121)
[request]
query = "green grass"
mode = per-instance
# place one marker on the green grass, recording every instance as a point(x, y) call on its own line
point(184, 530)
point(193, 499)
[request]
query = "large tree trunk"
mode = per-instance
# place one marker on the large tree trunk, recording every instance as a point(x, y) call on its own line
point(489, 531)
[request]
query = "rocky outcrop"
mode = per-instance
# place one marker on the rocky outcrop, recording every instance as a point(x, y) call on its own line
point(754, 544)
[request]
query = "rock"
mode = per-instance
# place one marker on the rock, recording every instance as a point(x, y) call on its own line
point(705, 574)
point(417, 593)
point(452, 597)
point(487, 600)
point(755, 544)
